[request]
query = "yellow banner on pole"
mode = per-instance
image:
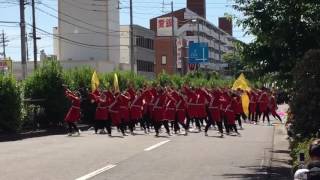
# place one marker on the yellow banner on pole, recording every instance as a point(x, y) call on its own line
point(94, 81)
point(116, 83)
point(243, 84)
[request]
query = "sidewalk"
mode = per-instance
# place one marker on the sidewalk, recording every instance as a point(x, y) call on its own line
point(280, 168)
point(38, 133)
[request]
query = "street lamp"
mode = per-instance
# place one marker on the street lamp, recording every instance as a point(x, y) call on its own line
point(198, 28)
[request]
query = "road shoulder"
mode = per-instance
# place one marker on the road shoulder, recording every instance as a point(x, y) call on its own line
point(280, 167)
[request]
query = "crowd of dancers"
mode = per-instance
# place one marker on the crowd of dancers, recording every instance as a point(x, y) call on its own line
point(154, 107)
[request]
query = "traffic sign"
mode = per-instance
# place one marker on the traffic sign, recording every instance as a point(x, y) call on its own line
point(198, 53)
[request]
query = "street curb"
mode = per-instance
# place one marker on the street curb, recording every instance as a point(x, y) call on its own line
point(4, 137)
point(279, 165)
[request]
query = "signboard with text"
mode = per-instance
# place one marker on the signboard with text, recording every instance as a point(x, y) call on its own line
point(164, 26)
point(198, 53)
point(5, 66)
point(179, 46)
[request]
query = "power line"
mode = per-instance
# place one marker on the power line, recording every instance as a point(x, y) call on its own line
point(75, 42)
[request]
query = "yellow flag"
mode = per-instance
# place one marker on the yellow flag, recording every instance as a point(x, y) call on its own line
point(241, 83)
point(116, 83)
point(245, 103)
point(94, 81)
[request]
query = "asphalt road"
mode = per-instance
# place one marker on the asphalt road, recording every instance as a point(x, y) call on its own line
point(140, 157)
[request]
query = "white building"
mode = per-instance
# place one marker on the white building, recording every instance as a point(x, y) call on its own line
point(88, 34)
point(144, 54)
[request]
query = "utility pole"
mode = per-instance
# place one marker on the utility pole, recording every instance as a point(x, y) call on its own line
point(34, 35)
point(132, 60)
point(23, 40)
point(219, 47)
point(198, 30)
point(3, 41)
point(174, 59)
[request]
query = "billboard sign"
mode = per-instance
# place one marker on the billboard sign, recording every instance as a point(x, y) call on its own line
point(5, 66)
point(198, 53)
point(164, 26)
point(179, 46)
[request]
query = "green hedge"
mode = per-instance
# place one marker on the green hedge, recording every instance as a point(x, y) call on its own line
point(298, 146)
point(10, 104)
point(47, 83)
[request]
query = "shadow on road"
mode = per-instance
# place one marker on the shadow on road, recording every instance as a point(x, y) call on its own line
point(261, 173)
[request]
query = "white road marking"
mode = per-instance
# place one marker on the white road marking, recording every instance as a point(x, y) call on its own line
point(156, 145)
point(94, 173)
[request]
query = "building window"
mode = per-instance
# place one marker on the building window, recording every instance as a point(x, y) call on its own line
point(144, 42)
point(145, 66)
point(164, 60)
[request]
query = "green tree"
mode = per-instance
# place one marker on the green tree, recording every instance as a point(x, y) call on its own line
point(285, 30)
point(306, 100)
point(10, 104)
point(47, 83)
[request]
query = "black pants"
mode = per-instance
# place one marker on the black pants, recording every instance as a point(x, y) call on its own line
point(157, 126)
point(266, 115)
point(251, 116)
point(233, 127)
point(209, 123)
point(225, 123)
point(72, 125)
point(122, 127)
point(147, 121)
point(244, 116)
point(107, 125)
point(276, 115)
point(131, 124)
point(197, 121)
point(98, 124)
point(176, 126)
point(238, 118)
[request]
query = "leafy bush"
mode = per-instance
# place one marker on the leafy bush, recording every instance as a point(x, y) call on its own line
point(78, 77)
point(47, 83)
point(299, 146)
point(306, 95)
point(10, 104)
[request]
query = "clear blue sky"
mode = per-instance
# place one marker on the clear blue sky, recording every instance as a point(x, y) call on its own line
point(143, 11)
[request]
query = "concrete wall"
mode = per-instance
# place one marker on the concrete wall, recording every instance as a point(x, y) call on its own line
point(17, 68)
point(99, 66)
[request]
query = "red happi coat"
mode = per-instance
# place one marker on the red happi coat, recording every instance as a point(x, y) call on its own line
point(73, 114)
point(124, 101)
point(225, 101)
point(148, 104)
point(181, 110)
point(136, 108)
point(192, 104)
point(109, 97)
point(170, 109)
point(263, 102)
point(230, 112)
point(214, 108)
point(102, 112)
point(132, 94)
point(201, 106)
point(273, 105)
point(253, 102)
point(114, 112)
point(159, 107)
point(238, 106)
